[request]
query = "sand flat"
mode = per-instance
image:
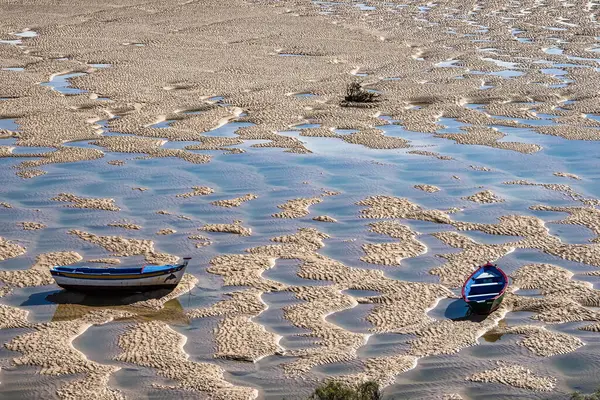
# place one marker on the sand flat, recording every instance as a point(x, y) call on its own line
point(480, 145)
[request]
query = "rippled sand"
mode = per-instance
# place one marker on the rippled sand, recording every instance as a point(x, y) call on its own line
point(329, 239)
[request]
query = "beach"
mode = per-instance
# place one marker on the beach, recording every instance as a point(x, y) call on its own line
point(329, 238)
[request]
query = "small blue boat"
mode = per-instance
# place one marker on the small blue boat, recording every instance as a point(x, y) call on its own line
point(136, 279)
point(484, 290)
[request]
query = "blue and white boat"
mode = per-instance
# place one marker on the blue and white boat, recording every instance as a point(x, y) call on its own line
point(129, 279)
point(484, 290)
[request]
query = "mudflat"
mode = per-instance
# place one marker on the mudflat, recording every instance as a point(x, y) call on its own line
point(329, 237)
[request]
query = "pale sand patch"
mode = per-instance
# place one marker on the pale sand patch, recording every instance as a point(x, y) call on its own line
point(570, 132)
point(186, 284)
point(485, 136)
point(427, 188)
point(564, 189)
point(430, 154)
point(239, 338)
point(197, 191)
point(117, 163)
point(151, 147)
point(86, 202)
point(517, 376)
point(62, 155)
point(12, 317)
point(486, 196)
point(217, 143)
point(202, 241)
point(452, 396)
point(557, 282)
point(39, 273)
point(392, 253)
point(324, 218)
point(591, 328)
point(10, 250)
point(453, 273)
point(335, 344)
point(141, 189)
point(402, 305)
point(553, 310)
point(235, 202)
point(247, 302)
point(460, 265)
point(122, 247)
point(5, 205)
point(155, 345)
point(50, 347)
point(543, 342)
point(125, 225)
point(112, 261)
point(296, 208)
point(31, 226)
point(394, 207)
point(327, 193)
point(5, 291)
point(567, 175)
point(582, 216)
point(30, 173)
point(245, 270)
point(536, 236)
point(298, 245)
point(400, 308)
point(235, 228)
point(375, 139)
point(383, 370)
point(449, 337)
point(166, 231)
point(480, 168)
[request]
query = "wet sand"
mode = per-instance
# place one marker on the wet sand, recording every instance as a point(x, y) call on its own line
point(329, 238)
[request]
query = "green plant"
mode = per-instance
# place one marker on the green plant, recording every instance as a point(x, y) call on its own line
point(356, 94)
point(580, 396)
point(333, 390)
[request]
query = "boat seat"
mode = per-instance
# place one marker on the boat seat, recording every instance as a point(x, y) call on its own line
point(486, 275)
point(486, 284)
point(482, 295)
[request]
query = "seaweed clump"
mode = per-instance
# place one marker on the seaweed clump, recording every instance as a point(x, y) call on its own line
point(579, 396)
point(334, 390)
point(357, 96)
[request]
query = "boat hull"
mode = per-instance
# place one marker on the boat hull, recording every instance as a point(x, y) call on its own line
point(98, 283)
point(116, 289)
point(486, 306)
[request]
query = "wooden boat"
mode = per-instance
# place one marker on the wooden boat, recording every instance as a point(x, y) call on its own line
point(484, 290)
point(137, 279)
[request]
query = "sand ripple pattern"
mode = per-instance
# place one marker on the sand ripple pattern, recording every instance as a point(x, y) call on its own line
point(155, 345)
point(82, 202)
point(49, 347)
point(296, 208)
point(517, 376)
point(122, 247)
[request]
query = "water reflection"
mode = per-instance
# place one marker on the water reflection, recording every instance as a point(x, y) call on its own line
point(73, 305)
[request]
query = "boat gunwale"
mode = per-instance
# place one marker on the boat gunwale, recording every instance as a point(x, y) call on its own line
point(111, 274)
point(489, 264)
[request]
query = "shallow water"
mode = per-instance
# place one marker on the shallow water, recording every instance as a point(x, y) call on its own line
point(275, 176)
point(61, 83)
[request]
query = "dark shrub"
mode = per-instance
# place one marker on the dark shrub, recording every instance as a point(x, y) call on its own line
point(333, 390)
point(356, 94)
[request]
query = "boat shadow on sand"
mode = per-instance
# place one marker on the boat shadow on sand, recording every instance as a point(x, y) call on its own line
point(72, 305)
point(458, 310)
